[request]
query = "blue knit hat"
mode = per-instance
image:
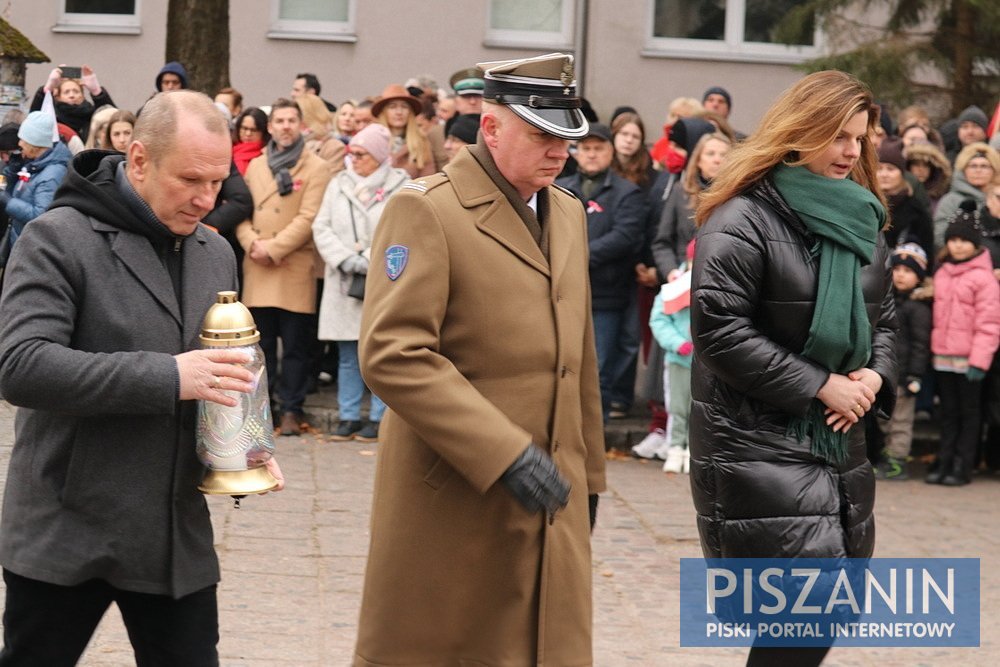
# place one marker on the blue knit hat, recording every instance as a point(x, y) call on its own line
point(38, 129)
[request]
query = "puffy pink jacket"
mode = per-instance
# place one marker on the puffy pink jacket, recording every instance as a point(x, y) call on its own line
point(967, 311)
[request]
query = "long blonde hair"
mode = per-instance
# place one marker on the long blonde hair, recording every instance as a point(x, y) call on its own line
point(417, 145)
point(691, 180)
point(801, 123)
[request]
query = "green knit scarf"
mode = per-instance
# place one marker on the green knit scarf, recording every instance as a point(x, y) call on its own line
point(846, 218)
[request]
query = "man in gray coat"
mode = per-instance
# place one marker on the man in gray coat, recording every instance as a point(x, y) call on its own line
point(99, 324)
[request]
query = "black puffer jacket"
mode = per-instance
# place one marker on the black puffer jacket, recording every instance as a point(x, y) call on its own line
point(758, 492)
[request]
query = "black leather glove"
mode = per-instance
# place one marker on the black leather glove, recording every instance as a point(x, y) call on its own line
point(593, 510)
point(535, 481)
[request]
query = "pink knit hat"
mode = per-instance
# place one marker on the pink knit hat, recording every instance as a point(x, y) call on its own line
point(375, 139)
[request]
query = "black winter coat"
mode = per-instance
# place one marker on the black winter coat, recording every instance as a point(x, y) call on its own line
point(911, 223)
point(913, 340)
point(759, 492)
point(615, 231)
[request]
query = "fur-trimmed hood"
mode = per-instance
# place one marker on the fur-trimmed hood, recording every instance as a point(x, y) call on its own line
point(939, 181)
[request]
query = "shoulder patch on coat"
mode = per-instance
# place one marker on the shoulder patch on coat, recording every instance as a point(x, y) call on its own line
point(396, 257)
point(426, 183)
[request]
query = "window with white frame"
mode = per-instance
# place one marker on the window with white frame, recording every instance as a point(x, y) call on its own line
point(330, 20)
point(543, 24)
point(106, 16)
point(725, 30)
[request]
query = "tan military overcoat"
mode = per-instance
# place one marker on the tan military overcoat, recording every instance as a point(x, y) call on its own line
point(291, 282)
point(478, 346)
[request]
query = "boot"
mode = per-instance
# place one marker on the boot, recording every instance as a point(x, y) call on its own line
point(957, 476)
point(938, 471)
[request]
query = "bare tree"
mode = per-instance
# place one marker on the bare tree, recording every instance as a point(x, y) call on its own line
point(198, 38)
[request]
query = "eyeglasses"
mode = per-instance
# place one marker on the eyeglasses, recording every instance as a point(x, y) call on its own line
point(248, 129)
point(979, 165)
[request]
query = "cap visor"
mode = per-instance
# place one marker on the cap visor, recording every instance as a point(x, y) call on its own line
point(562, 123)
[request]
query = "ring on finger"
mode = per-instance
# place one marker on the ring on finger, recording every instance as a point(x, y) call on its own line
point(216, 381)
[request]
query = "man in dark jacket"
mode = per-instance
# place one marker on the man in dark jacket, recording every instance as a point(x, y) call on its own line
point(616, 214)
point(99, 324)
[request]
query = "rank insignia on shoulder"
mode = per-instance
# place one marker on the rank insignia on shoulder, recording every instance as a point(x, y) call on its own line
point(396, 257)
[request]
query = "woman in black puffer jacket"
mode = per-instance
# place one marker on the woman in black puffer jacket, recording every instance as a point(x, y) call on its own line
point(790, 244)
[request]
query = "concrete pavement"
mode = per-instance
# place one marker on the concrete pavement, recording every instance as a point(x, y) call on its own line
point(293, 562)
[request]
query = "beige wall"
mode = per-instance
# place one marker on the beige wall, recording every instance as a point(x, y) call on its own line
point(398, 39)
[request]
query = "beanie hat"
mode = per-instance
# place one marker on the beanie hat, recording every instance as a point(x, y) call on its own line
point(912, 256)
point(718, 90)
point(464, 127)
point(965, 224)
point(375, 139)
point(974, 114)
point(891, 152)
point(687, 131)
point(8, 137)
point(38, 129)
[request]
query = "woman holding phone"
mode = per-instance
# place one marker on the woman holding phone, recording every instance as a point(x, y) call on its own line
point(71, 104)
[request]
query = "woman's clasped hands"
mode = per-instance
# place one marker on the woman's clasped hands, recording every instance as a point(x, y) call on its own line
point(849, 397)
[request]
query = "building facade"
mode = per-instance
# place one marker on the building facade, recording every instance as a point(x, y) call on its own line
point(642, 53)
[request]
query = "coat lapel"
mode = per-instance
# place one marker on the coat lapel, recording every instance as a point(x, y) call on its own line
point(137, 254)
point(499, 220)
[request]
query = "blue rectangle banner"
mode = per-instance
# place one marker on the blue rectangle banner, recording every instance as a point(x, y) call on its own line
point(921, 602)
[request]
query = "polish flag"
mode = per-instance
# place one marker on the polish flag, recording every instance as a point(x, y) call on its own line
point(677, 294)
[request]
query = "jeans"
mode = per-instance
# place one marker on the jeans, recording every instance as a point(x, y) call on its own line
point(617, 349)
point(50, 625)
point(296, 335)
point(351, 386)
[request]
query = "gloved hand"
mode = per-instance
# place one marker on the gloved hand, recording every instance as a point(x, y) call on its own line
point(913, 385)
point(52, 83)
point(89, 80)
point(535, 482)
point(685, 348)
point(975, 374)
point(354, 264)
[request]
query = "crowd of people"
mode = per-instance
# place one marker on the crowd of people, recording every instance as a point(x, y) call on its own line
point(329, 170)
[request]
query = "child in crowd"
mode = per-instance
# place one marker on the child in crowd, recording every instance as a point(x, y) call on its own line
point(909, 268)
point(670, 322)
point(963, 341)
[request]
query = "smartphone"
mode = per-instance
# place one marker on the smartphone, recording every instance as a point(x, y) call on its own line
point(71, 72)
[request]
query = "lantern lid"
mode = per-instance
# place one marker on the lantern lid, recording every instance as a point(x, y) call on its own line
point(228, 323)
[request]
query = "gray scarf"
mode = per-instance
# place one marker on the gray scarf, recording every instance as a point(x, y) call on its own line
point(278, 159)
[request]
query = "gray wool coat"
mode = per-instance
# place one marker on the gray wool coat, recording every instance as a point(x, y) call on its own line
point(103, 474)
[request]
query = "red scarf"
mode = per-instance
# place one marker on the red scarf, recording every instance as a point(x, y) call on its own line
point(245, 151)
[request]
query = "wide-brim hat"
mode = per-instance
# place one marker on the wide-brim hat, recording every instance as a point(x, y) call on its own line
point(540, 90)
point(395, 91)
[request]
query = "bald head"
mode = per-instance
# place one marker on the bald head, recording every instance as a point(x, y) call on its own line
point(165, 113)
